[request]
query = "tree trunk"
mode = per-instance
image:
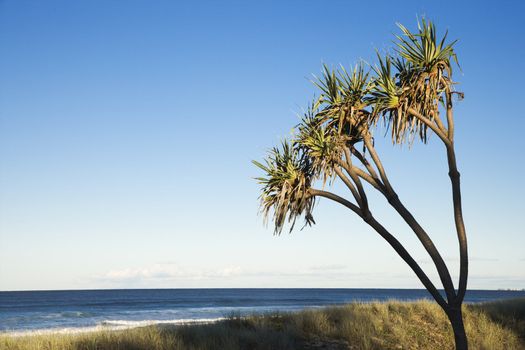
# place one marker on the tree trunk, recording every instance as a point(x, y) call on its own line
point(456, 320)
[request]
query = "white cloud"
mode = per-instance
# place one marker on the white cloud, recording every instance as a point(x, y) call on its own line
point(331, 267)
point(173, 274)
point(167, 272)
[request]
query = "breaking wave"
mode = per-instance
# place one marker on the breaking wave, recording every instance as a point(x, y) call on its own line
point(111, 325)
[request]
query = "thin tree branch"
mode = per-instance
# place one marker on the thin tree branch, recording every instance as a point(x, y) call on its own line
point(421, 234)
point(357, 182)
point(394, 243)
point(336, 198)
point(450, 117)
point(371, 176)
point(379, 165)
point(456, 199)
point(366, 163)
point(438, 121)
point(403, 253)
point(348, 184)
point(431, 125)
point(429, 246)
point(365, 176)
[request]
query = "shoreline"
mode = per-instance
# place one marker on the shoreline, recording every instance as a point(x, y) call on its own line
point(45, 312)
point(376, 325)
point(108, 326)
point(123, 325)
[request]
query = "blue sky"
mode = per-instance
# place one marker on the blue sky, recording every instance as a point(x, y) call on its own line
point(127, 129)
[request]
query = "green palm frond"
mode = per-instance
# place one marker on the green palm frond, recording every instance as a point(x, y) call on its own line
point(405, 70)
point(287, 180)
point(423, 74)
point(390, 102)
point(355, 85)
point(427, 72)
point(321, 144)
point(329, 87)
point(423, 50)
point(385, 93)
point(342, 100)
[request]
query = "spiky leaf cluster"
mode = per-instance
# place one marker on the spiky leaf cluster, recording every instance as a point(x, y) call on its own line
point(341, 104)
point(288, 177)
point(350, 104)
point(321, 144)
point(423, 71)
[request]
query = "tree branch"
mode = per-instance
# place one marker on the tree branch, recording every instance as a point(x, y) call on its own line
point(370, 177)
point(367, 164)
point(357, 182)
point(438, 121)
point(363, 175)
point(394, 243)
point(421, 234)
point(402, 252)
point(379, 165)
point(450, 118)
point(429, 123)
point(336, 198)
point(456, 199)
point(348, 184)
point(429, 246)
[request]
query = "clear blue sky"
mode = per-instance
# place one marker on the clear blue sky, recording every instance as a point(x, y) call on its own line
point(127, 130)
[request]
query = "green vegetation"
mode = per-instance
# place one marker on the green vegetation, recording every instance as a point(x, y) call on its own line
point(390, 325)
point(412, 93)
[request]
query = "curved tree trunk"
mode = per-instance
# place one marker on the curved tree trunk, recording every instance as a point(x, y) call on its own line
point(455, 316)
point(452, 308)
point(456, 199)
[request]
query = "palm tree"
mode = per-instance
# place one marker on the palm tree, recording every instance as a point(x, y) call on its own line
point(412, 93)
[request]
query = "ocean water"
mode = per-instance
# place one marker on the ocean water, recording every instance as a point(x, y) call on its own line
point(83, 310)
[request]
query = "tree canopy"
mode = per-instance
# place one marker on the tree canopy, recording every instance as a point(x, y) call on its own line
point(411, 92)
point(404, 91)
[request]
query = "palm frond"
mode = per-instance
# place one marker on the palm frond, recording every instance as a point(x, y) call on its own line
point(355, 85)
point(343, 109)
point(385, 92)
point(423, 74)
point(285, 184)
point(328, 84)
point(423, 49)
point(321, 143)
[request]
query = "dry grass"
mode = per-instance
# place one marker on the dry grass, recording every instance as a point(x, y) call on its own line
point(391, 325)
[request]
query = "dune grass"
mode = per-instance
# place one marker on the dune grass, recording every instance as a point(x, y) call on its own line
point(389, 325)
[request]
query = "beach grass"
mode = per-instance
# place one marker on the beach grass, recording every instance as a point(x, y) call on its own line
point(379, 325)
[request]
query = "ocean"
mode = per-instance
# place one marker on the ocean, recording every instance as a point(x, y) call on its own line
point(83, 310)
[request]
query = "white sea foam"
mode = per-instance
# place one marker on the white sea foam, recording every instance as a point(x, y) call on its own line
point(110, 325)
point(133, 324)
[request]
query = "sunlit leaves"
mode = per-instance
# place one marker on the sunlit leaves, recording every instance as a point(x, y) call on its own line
point(424, 50)
point(320, 143)
point(287, 179)
point(399, 90)
point(385, 93)
point(342, 98)
point(422, 76)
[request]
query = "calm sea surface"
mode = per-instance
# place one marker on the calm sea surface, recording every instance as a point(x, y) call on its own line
point(31, 311)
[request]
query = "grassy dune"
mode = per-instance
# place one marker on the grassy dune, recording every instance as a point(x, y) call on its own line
point(391, 325)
